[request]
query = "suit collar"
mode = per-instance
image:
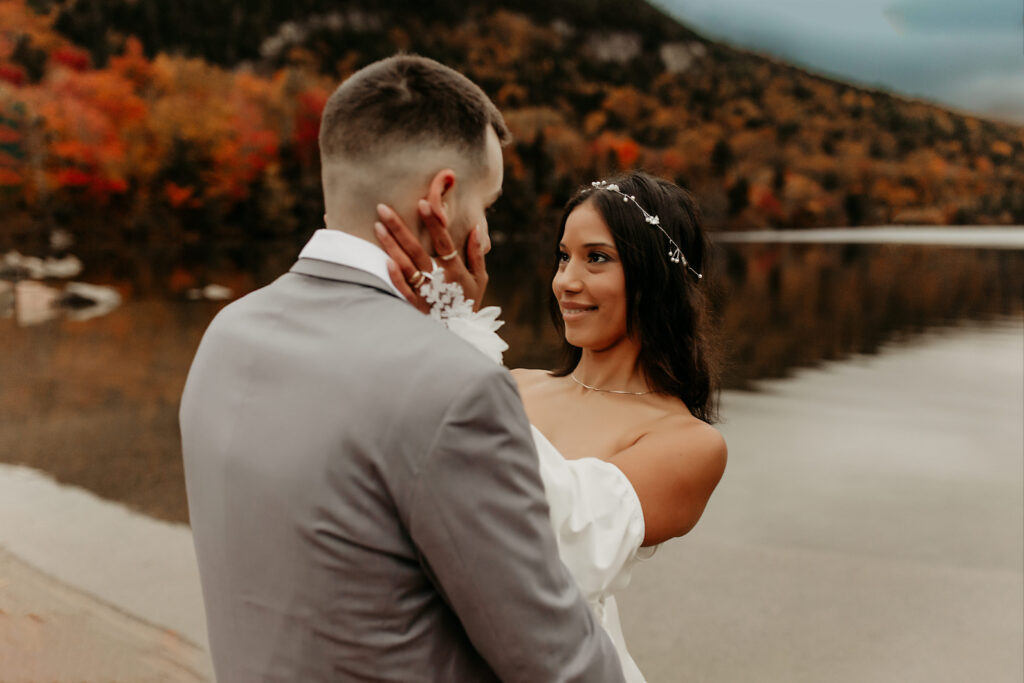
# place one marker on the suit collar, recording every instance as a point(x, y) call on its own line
point(326, 270)
point(336, 246)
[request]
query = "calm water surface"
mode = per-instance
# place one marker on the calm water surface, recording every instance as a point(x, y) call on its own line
point(95, 401)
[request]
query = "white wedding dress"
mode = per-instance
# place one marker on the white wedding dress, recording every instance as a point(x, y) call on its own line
point(599, 527)
point(595, 512)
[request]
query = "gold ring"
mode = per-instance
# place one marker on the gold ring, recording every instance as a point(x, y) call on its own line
point(418, 279)
point(449, 257)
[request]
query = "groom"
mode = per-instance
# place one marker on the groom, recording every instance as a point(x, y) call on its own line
point(363, 489)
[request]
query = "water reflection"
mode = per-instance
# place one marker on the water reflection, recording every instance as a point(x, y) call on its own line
point(28, 294)
point(31, 302)
point(6, 299)
point(95, 401)
point(34, 302)
point(785, 305)
point(794, 305)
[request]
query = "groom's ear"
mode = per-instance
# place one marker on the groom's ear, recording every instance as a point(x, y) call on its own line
point(440, 191)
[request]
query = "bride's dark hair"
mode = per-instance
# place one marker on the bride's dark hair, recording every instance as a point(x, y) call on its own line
point(666, 304)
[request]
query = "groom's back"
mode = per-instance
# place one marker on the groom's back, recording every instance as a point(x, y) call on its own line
point(308, 412)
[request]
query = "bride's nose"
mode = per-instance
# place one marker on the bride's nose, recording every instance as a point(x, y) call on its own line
point(567, 279)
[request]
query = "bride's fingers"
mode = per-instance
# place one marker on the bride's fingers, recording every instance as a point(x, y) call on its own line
point(477, 265)
point(400, 283)
point(476, 261)
point(437, 227)
point(404, 239)
point(407, 269)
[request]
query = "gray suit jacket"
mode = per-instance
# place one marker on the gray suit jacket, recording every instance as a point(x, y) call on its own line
point(365, 499)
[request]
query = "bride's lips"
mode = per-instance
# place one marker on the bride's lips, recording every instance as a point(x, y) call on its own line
point(573, 311)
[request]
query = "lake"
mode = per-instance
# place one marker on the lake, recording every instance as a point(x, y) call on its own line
point(869, 527)
point(94, 401)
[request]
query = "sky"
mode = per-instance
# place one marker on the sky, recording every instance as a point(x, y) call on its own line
point(965, 54)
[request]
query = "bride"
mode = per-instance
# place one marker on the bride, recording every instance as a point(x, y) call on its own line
point(623, 430)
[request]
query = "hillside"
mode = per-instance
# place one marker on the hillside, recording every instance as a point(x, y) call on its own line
point(200, 118)
point(221, 32)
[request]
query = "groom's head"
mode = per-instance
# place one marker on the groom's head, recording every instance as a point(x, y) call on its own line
point(407, 128)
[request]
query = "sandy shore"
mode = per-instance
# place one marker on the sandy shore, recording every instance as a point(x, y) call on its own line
point(92, 591)
point(50, 631)
point(870, 527)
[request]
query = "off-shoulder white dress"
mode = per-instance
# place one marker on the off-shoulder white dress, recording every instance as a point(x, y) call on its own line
point(599, 526)
point(595, 512)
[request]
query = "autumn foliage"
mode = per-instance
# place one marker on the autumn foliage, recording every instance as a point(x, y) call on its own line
point(173, 146)
point(141, 139)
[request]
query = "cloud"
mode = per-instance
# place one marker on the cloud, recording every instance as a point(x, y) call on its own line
point(913, 47)
point(941, 16)
point(999, 94)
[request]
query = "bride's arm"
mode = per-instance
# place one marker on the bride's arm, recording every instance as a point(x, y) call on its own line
point(596, 515)
point(604, 511)
point(674, 469)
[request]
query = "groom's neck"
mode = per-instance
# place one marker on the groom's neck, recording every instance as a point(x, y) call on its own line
point(358, 223)
point(351, 196)
point(358, 218)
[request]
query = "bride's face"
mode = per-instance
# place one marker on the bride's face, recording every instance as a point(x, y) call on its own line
point(590, 284)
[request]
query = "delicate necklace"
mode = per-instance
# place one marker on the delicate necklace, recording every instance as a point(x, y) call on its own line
point(607, 391)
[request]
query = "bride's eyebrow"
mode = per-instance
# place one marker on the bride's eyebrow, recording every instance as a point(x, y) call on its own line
point(588, 245)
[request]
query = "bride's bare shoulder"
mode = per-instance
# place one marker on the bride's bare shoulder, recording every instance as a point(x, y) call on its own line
point(675, 423)
point(527, 378)
point(696, 438)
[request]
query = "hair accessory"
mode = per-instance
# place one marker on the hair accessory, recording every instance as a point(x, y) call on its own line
point(676, 255)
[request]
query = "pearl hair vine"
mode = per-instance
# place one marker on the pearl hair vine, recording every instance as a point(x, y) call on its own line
point(676, 254)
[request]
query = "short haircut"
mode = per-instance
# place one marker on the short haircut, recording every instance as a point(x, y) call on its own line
point(402, 100)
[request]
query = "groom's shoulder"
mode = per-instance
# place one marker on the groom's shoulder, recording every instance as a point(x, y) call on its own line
point(365, 337)
point(442, 357)
point(430, 357)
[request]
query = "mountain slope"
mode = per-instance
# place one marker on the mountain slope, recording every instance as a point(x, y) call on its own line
point(588, 88)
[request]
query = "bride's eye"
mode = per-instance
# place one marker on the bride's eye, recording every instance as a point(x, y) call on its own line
point(598, 257)
point(563, 257)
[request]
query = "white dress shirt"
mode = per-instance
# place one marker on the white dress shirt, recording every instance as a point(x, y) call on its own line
point(335, 246)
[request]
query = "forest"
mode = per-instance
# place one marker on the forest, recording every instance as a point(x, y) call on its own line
point(187, 122)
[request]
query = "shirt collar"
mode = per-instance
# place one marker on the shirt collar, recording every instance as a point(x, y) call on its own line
point(335, 246)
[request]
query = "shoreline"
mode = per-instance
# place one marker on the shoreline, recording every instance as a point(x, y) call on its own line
point(41, 615)
point(978, 237)
point(93, 576)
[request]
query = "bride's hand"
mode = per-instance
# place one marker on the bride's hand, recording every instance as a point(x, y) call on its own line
point(408, 256)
